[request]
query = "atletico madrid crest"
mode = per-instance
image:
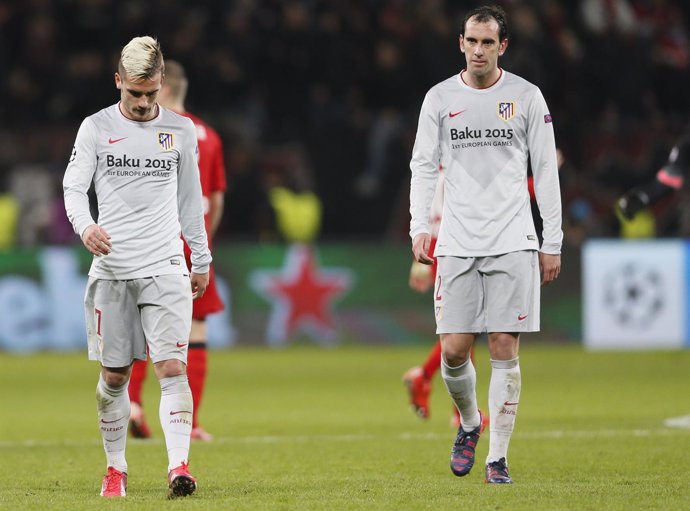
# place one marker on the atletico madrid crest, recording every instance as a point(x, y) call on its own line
point(165, 140)
point(506, 110)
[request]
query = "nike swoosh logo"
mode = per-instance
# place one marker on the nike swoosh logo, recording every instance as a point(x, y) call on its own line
point(179, 411)
point(115, 140)
point(181, 344)
point(520, 317)
point(508, 403)
point(110, 422)
point(451, 114)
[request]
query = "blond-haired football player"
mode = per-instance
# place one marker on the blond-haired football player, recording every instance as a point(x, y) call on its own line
point(142, 161)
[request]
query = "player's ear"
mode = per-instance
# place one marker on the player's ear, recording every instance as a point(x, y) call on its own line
point(461, 43)
point(118, 81)
point(503, 47)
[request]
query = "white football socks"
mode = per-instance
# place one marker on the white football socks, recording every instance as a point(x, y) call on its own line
point(461, 383)
point(113, 419)
point(176, 418)
point(504, 395)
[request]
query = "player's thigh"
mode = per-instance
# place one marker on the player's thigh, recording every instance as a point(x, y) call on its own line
point(113, 326)
point(199, 333)
point(458, 296)
point(512, 291)
point(165, 302)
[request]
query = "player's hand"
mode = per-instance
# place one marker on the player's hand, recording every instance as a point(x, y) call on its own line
point(420, 277)
point(199, 283)
point(630, 203)
point(420, 248)
point(550, 266)
point(96, 240)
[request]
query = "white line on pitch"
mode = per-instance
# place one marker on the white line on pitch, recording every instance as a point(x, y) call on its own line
point(303, 439)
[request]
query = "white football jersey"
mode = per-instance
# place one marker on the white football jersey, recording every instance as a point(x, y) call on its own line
point(146, 179)
point(483, 139)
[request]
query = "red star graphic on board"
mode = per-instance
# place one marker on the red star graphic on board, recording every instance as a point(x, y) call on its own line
point(302, 294)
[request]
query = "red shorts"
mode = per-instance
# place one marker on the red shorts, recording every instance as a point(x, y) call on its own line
point(210, 301)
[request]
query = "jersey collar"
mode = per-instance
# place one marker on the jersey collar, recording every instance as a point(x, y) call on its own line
point(464, 84)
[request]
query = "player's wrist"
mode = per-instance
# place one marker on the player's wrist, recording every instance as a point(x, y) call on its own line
point(86, 230)
point(553, 249)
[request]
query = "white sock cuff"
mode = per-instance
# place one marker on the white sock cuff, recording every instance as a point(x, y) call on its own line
point(111, 391)
point(505, 364)
point(174, 385)
point(454, 372)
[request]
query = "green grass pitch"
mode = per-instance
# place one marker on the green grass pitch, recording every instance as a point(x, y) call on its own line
point(306, 428)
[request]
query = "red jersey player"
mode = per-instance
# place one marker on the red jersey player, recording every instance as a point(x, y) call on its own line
point(213, 185)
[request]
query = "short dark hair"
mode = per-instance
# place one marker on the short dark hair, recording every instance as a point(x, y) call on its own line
point(487, 13)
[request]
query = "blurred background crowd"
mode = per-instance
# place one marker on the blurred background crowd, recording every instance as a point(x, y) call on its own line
point(321, 98)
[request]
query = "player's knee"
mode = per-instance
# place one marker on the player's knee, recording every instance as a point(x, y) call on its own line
point(455, 355)
point(115, 379)
point(169, 368)
point(503, 345)
point(456, 348)
point(455, 359)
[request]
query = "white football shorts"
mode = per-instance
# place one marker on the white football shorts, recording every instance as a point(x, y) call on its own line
point(488, 294)
point(123, 316)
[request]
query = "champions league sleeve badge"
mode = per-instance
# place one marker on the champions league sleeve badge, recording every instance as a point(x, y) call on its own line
point(165, 140)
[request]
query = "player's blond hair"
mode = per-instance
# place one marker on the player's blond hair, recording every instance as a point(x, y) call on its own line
point(141, 59)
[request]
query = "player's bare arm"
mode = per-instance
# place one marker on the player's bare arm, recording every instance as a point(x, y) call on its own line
point(96, 240)
point(199, 283)
point(550, 266)
point(215, 211)
point(420, 248)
